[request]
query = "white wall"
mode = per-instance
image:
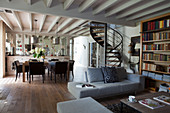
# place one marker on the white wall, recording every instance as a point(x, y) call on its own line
point(81, 56)
point(128, 32)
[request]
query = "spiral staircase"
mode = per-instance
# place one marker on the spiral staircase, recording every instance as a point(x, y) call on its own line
point(111, 40)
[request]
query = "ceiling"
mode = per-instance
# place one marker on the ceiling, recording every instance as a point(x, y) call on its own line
point(19, 15)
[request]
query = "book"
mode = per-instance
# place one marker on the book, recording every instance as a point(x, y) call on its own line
point(163, 99)
point(150, 103)
point(82, 85)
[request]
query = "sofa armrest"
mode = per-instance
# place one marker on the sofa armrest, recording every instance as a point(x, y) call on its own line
point(137, 78)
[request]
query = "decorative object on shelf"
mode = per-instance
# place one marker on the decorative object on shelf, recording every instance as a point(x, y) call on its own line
point(38, 52)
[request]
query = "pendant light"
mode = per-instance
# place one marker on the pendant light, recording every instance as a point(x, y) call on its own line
point(34, 38)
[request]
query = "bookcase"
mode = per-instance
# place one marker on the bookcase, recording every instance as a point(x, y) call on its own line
point(155, 46)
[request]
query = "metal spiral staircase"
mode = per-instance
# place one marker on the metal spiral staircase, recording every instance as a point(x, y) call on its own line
point(111, 40)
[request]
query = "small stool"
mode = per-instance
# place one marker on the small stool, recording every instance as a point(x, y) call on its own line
point(84, 105)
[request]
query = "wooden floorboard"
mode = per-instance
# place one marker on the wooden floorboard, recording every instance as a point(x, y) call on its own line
point(19, 97)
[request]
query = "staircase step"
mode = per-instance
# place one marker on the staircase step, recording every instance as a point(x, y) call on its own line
point(113, 65)
point(98, 31)
point(98, 36)
point(101, 40)
point(113, 56)
point(113, 60)
point(97, 27)
point(113, 52)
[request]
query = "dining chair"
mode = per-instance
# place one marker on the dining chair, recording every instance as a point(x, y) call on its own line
point(36, 68)
point(19, 70)
point(59, 68)
point(71, 65)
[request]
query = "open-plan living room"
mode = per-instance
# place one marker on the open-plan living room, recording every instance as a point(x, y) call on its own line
point(84, 56)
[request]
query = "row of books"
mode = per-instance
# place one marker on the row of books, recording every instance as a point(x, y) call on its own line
point(153, 67)
point(155, 56)
point(156, 25)
point(165, 46)
point(155, 36)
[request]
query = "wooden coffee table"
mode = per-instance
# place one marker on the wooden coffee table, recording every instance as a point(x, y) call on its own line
point(143, 109)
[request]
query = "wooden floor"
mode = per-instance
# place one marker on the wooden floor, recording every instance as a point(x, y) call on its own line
point(19, 97)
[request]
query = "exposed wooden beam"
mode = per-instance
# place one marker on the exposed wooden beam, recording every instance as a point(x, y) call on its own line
point(122, 7)
point(76, 30)
point(86, 4)
point(144, 13)
point(18, 20)
point(42, 22)
point(5, 20)
point(30, 20)
point(83, 31)
point(53, 23)
point(68, 3)
point(48, 3)
point(139, 8)
point(77, 23)
point(63, 24)
point(104, 6)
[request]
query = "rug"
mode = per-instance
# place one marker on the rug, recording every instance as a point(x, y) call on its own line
point(115, 108)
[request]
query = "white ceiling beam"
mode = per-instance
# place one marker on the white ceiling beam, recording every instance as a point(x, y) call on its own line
point(76, 30)
point(144, 13)
point(86, 5)
point(48, 3)
point(53, 23)
point(42, 22)
point(139, 8)
point(18, 20)
point(68, 3)
point(30, 20)
point(63, 24)
point(77, 23)
point(83, 31)
point(104, 6)
point(121, 7)
point(5, 20)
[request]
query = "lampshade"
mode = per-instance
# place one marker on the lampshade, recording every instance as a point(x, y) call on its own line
point(137, 46)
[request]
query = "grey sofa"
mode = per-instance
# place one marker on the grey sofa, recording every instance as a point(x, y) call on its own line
point(128, 83)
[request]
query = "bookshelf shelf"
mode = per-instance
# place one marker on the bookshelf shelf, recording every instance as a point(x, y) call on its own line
point(156, 50)
point(156, 71)
point(157, 61)
point(163, 40)
point(156, 30)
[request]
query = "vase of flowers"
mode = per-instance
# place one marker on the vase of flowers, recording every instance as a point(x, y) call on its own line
point(38, 53)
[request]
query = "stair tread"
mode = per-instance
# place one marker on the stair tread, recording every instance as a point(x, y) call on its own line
point(114, 56)
point(113, 60)
point(97, 26)
point(98, 36)
point(111, 65)
point(101, 40)
point(98, 31)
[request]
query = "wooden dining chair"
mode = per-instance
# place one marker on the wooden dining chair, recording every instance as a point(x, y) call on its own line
point(36, 68)
point(19, 70)
point(59, 68)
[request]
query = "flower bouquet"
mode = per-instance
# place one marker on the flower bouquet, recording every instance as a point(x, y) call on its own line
point(38, 52)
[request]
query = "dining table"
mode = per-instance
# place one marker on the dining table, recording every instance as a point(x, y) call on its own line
point(46, 63)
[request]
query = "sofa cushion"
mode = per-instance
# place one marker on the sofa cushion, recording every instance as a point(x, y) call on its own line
point(121, 73)
point(109, 74)
point(94, 75)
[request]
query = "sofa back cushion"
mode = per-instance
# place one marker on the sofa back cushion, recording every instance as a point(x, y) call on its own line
point(109, 74)
point(94, 75)
point(121, 73)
